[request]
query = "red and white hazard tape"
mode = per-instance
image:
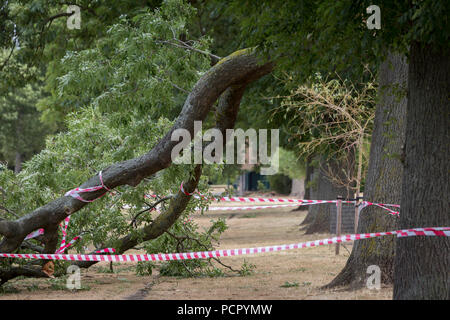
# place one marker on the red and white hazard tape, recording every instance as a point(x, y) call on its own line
point(299, 202)
point(63, 246)
point(278, 200)
point(35, 234)
point(199, 195)
point(435, 231)
point(362, 205)
point(75, 193)
point(383, 206)
point(249, 207)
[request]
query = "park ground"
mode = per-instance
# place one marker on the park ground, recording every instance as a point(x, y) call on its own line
point(287, 275)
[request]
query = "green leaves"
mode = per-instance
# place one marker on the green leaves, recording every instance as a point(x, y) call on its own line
point(332, 36)
point(133, 67)
point(122, 95)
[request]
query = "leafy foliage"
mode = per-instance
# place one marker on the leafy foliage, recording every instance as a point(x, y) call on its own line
point(132, 65)
point(21, 131)
point(186, 237)
point(332, 36)
point(123, 93)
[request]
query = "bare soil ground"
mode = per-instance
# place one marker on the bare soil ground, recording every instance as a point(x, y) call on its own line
point(295, 274)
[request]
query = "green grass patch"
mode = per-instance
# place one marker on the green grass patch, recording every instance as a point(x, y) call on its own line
point(288, 284)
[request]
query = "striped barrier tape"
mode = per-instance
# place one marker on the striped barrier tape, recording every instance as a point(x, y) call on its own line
point(256, 207)
point(361, 206)
point(35, 234)
point(39, 232)
point(240, 208)
point(63, 246)
point(283, 200)
point(433, 231)
point(277, 200)
point(303, 202)
point(383, 206)
point(75, 193)
point(249, 207)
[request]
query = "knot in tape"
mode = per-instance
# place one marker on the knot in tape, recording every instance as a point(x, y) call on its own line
point(75, 193)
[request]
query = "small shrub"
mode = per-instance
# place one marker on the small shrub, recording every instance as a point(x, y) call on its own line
point(247, 269)
point(280, 183)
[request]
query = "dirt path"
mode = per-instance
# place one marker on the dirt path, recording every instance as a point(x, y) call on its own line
point(294, 274)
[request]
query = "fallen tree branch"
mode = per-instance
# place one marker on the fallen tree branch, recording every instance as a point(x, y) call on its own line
point(226, 80)
point(14, 272)
point(27, 245)
point(237, 69)
point(226, 115)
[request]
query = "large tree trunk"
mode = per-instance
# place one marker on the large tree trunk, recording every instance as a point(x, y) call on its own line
point(384, 177)
point(311, 183)
point(325, 190)
point(422, 264)
point(307, 186)
point(308, 174)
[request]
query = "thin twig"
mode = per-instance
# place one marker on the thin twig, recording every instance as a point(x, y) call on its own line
point(150, 208)
point(7, 59)
point(184, 45)
point(9, 211)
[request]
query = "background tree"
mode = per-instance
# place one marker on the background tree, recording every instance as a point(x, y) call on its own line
point(306, 33)
point(421, 265)
point(21, 131)
point(417, 29)
point(33, 41)
point(384, 178)
point(332, 121)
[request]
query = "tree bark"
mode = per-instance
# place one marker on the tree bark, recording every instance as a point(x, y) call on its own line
point(325, 190)
point(384, 176)
point(308, 177)
point(422, 264)
point(308, 174)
